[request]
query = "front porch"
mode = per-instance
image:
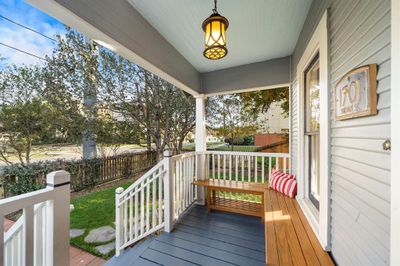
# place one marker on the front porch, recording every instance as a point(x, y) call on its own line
point(220, 238)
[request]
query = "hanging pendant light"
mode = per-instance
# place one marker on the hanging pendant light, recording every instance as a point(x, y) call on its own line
point(214, 28)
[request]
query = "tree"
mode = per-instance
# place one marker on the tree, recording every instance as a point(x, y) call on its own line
point(23, 123)
point(163, 112)
point(256, 102)
point(73, 70)
point(226, 114)
point(183, 119)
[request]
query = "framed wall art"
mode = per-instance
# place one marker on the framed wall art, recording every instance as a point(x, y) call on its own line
point(355, 93)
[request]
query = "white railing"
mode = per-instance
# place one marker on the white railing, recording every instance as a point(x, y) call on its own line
point(139, 208)
point(255, 167)
point(244, 166)
point(160, 197)
point(13, 238)
point(31, 240)
point(184, 171)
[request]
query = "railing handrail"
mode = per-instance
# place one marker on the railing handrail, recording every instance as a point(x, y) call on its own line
point(18, 202)
point(184, 155)
point(19, 223)
point(140, 180)
point(244, 153)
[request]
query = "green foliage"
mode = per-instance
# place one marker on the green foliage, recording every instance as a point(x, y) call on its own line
point(256, 102)
point(19, 180)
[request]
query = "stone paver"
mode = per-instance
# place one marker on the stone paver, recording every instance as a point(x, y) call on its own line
point(105, 249)
point(76, 232)
point(101, 234)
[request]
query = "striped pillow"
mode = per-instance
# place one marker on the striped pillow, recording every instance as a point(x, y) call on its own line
point(283, 183)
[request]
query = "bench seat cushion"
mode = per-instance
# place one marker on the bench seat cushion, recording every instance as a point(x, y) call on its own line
point(283, 183)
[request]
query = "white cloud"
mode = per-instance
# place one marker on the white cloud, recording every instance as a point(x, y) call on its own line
point(24, 39)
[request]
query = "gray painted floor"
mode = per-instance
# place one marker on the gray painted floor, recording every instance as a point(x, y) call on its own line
point(202, 238)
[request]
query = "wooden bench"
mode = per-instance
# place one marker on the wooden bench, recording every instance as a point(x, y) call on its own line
point(230, 204)
point(289, 239)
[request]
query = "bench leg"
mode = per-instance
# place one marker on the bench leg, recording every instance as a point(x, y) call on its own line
point(208, 198)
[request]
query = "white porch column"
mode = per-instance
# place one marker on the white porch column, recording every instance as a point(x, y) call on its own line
point(200, 143)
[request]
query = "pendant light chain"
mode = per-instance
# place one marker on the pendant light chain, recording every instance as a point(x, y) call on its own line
point(215, 7)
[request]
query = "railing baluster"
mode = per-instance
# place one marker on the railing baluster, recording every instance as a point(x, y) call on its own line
point(154, 210)
point(269, 167)
point(148, 206)
point(284, 165)
point(255, 169)
point(125, 217)
point(136, 213)
point(262, 170)
point(142, 210)
point(131, 216)
point(160, 186)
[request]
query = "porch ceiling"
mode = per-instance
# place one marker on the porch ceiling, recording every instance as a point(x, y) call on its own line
point(165, 37)
point(258, 30)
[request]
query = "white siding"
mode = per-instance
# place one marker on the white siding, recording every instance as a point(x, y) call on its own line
point(359, 34)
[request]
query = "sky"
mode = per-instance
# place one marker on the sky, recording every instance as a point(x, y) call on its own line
point(13, 35)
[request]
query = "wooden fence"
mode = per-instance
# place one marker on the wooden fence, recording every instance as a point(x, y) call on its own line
point(90, 172)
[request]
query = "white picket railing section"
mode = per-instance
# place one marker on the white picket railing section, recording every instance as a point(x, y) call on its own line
point(13, 238)
point(160, 197)
point(253, 167)
point(139, 208)
point(184, 171)
point(31, 240)
point(244, 166)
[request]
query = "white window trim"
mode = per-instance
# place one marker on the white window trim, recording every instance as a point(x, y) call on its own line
point(319, 221)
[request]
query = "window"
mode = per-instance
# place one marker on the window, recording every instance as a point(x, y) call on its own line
point(312, 126)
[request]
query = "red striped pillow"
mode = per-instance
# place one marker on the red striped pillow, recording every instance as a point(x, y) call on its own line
point(283, 183)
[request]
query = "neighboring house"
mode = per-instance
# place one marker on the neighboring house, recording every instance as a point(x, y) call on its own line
point(273, 121)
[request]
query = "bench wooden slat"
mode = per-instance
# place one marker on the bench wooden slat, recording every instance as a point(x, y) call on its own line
point(306, 246)
point(291, 236)
point(322, 255)
point(271, 250)
point(285, 257)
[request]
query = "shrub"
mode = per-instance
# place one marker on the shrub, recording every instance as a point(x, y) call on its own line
point(248, 140)
point(19, 180)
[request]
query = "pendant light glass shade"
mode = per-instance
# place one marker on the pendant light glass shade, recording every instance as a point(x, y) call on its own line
point(214, 28)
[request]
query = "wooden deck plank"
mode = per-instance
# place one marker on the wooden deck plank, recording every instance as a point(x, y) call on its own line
point(228, 224)
point(226, 238)
point(291, 236)
point(220, 245)
point(210, 227)
point(322, 255)
point(167, 260)
point(187, 255)
point(285, 258)
point(219, 225)
point(208, 251)
point(308, 250)
point(271, 248)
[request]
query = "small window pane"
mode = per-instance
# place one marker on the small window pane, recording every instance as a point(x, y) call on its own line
point(312, 97)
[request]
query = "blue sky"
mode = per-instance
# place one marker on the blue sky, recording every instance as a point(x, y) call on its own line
point(13, 35)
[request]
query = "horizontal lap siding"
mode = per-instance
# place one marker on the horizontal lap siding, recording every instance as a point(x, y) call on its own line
point(359, 34)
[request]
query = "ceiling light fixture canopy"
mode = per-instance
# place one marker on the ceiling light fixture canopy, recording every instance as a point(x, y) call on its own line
point(215, 27)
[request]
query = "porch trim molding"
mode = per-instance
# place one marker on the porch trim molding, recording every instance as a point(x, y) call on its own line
point(319, 220)
point(395, 136)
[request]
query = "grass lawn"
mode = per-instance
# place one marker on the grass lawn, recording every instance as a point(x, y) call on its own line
point(92, 211)
point(237, 148)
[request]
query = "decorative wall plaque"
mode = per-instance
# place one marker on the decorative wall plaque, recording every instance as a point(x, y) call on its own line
point(355, 93)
